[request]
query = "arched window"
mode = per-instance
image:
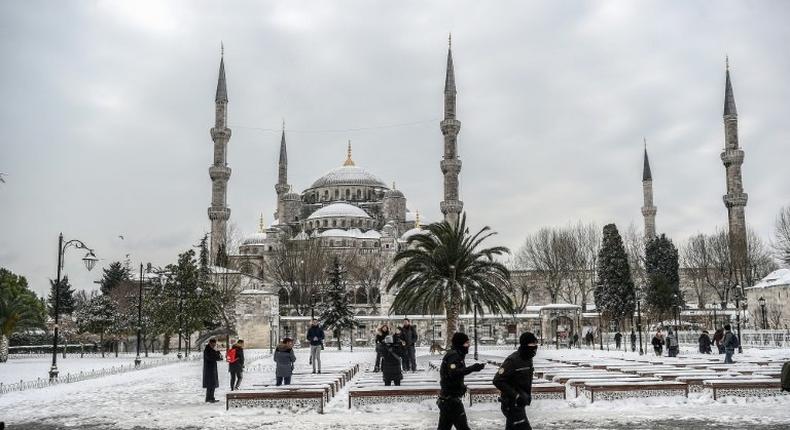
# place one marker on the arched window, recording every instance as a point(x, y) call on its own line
point(337, 193)
point(325, 221)
point(348, 194)
point(361, 297)
point(359, 194)
point(334, 223)
point(373, 297)
point(343, 223)
point(285, 298)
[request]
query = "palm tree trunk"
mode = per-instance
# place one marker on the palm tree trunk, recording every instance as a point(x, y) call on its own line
point(452, 313)
point(3, 348)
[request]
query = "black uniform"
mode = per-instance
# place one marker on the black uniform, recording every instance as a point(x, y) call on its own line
point(514, 380)
point(452, 373)
point(210, 378)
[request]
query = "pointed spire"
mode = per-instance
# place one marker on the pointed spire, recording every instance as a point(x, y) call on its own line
point(261, 225)
point(646, 175)
point(449, 80)
point(349, 161)
point(729, 98)
point(283, 149)
point(222, 91)
point(417, 220)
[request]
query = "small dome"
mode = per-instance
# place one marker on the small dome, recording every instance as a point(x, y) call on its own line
point(412, 232)
point(291, 196)
point(394, 194)
point(339, 210)
point(255, 239)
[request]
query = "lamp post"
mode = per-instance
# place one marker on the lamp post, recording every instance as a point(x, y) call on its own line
point(139, 317)
point(474, 308)
point(90, 261)
point(738, 298)
point(180, 318)
point(271, 333)
point(639, 318)
point(761, 301)
point(555, 316)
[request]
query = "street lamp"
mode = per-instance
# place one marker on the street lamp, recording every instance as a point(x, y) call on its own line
point(639, 318)
point(474, 307)
point(89, 260)
point(271, 333)
point(139, 317)
point(555, 316)
point(738, 298)
point(761, 301)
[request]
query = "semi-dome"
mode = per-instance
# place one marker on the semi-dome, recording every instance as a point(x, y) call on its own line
point(255, 239)
point(348, 175)
point(339, 210)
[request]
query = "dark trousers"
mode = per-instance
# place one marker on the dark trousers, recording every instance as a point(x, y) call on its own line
point(452, 414)
point(658, 350)
point(409, 359)
point(235, 379)
point(377, 366)
point(283, 380)
point(210, 394)
point(720, 348)
point(515, 418)
point(388, 382)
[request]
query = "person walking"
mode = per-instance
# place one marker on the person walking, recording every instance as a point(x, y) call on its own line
point(588, 338)
point(618, 338)
point(730, 342)
point(575, 340)
point(284, 357)
point(514, 381)
point(391, 350)
point(672, 344)
point(409, 337)
point(451, 373)
point(235, 357)
point(658, 343)
point(315, 335)
point(210, 377)
point(718, 339)
point(633, 341)
point(382, 334)
point(704, 343)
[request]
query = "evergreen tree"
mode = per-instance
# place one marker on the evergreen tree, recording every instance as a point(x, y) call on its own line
point(114, 275)
point(662, 267)
point(97, 317)
point(222, 256)
point(336, 313)
point(66, 305)
point(614, 290)
point(20, 309)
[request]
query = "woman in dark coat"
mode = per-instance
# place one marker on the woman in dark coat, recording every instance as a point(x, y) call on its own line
point(704, 343)
point(210, 377)
point(391, 350)
point(284, 357)
point(384, 331)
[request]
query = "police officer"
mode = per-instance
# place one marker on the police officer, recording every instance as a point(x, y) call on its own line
point(452, 372)
point(514, 380)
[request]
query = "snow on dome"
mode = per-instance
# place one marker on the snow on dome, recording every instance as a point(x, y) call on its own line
point(255, 239)
point(291, 196)
point(412, 232)
point(774, 279)
point(337, 210)
point(353, 233)
point(348, 175)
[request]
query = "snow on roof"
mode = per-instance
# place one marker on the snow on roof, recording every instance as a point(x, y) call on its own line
point(255, 239)
point(412, 232)
point(776, 278)
point(348, 175)
point(339, 209)
point(353, 233)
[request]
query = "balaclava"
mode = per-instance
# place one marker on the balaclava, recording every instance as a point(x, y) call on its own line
point(458, 341)
point(527, 352)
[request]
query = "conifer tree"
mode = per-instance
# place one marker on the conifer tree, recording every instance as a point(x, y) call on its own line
point(614, 289)
point(662, 267)
point(336, 313)
point(114, 275)
point(66, 305)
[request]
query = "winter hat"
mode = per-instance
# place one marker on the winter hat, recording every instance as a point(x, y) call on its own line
point(459, 339)
point(527, 338)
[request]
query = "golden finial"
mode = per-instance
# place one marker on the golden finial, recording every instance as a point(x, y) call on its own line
point(221, 49)
point(283, 124)
point(727, 62)
point(261, 224)
point(349, 161)
point(417, 220)
point(450, 40)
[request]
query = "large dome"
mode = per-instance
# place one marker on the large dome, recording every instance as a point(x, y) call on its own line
point(339, 210)
point(348, 175)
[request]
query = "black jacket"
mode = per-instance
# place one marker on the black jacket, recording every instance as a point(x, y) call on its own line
point(380, 337)
point(704, 342)
point(314, 332)
point(452, 372)
point(391, 359)
point(409, 335)
point(238, 365)
point(210, 358)
point(657, 342)
point(514, 378)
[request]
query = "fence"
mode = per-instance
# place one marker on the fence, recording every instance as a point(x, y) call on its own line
point(755, 338)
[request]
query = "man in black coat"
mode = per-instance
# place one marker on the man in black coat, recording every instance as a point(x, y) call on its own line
point(452, 373)
point(633, 341)
point(236, 367)
point(210, 378)
point(618, 338)
point(514, 380)
point(409, 336)
point(704, 343)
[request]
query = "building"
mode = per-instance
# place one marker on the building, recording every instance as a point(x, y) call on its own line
point(774, 289)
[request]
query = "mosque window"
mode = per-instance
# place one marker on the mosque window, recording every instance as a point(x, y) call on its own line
point(337, 193)
point(343, 223)
point(334, 223)
point(331, 243)
point(359, 194)
point(348, 194)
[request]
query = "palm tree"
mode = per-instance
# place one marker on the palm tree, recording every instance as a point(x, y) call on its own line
point(17, 311)
point(443, 268)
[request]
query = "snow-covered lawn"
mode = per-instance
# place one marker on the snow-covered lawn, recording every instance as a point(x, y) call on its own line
point(171, 397)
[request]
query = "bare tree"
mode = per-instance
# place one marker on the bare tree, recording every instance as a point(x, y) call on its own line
point(299, 269)
point(546, 253)
point(369, 271)
point(634, 242)
point(694, 275)
point(582, 261)
point(774, 314)
point(781, 243)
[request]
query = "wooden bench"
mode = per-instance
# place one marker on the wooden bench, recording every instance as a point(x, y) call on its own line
point(280, 398)
point(621, 390)
point(329, 389)
point(576, 384)
point(490, 393)
point(743, 387)
point(377, 395)
point(695, 382)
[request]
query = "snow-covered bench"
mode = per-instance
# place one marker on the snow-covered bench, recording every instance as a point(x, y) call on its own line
point(278, 398)
point(392, 394)
point(490, 393)
point(743, 387)
point(619, 390)
point(329, 388)
point(577, 383)
point(695, 382)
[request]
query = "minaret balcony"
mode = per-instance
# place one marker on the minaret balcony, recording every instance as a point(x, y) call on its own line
point(281, 188)
point(452, 165)
point(649, 211)
point(735, 199)
point(221, 173)
point(450, 126)
point(215, 213)
point(451, 206)
point(220, 133)
point(732, 157)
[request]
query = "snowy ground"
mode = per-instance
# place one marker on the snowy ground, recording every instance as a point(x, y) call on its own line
point(170, 397)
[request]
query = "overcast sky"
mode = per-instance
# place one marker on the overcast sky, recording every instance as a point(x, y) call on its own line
point(107, 108)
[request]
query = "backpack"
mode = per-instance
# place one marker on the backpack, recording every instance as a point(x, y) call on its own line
point(231, 356)
point(786, 377)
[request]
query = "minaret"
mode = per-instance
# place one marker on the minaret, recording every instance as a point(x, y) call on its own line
point(735, 199)
point(282, 186)
point(648, 210)
point(450, 164)
point(219, 172)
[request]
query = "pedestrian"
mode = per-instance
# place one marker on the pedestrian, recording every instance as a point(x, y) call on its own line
point(409, 337)
point(514, 381)
point(672, 344)
point(633, 341)
point(588, 338)
point(730, 343)
point(284, 357)
point(618, 339)
point(315, 335)
point(391, 350)
point(718, 339)
point(383, 332)
point(704, 343)
point(451, 373)
point(658, 343)
point(235, 358)
point(210, 377)
point(576, 340)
